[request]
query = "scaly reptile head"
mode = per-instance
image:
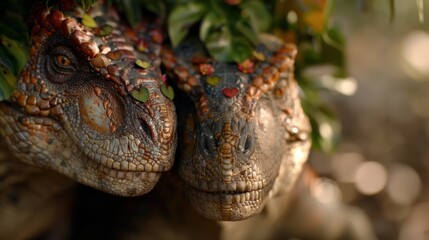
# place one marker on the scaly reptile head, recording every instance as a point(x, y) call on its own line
point(248, 135)
point(85, 107)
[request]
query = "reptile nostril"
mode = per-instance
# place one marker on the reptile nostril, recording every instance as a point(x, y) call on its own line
point(144, 126)
point(248, 144)
point(207, 145)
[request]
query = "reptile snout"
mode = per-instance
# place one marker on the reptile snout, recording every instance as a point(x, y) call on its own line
point(157, 121)
point(227, 139)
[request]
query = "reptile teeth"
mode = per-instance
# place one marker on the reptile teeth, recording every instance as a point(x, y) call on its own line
point(248, 186)
point(240, 186)
point(247, 196)
point(226, 199)
point(234, 187)
point(229, 197)
point(236, 198)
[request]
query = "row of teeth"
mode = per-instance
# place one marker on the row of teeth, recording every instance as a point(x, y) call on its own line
point(131, 176)
point(241, 198)
point(231, 187)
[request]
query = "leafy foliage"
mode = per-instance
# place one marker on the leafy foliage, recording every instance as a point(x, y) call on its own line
point(321, 57)
point(182, 18)
point(13, 46)
point(229, 31)
point(133, 9)
point(86, 4)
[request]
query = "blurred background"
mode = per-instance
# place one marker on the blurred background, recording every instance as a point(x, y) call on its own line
point(381, 160)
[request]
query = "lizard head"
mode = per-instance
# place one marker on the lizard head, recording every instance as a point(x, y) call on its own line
point(247, 137)
point(90, 102)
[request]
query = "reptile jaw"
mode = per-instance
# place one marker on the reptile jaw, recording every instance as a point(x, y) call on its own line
point(243, 200)
point(228, 205)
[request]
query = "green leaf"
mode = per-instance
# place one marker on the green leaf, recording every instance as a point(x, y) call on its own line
point(324, 124)
point(213, 80)
point(142, 64)
point(247, 31)
point(105, 30)
point(220, 42)
point(327, 14)
point(334, 38)
point(16, 51)
point(182, 17)
point(13, 25)
point(333, 48)
point(327, 128)
point(157, 7)
point(167, 91)
point(7, 82)
point(86, 4)
point(240, 49)
point(258, 14)
point(5, 59)
point(211, 22)
point(88, 21)
point(141, 95)
point(132, 11)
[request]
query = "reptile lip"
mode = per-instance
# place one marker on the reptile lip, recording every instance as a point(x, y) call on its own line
point(233, 188)
point(129, 175)
point(232, 197)
point(123, 166)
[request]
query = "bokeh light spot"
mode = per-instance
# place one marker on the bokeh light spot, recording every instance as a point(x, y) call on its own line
point(404, 184)
point(370, 178)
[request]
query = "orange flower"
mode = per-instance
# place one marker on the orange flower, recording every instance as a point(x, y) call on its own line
point(206, 69)
point(246, 66)
point(141, 45)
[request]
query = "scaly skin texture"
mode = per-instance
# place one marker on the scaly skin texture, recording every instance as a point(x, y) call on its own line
point(248, 137)
point(84, 108)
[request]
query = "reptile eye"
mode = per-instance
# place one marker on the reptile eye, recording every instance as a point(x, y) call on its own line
point(62, 64)
point(63, 60)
